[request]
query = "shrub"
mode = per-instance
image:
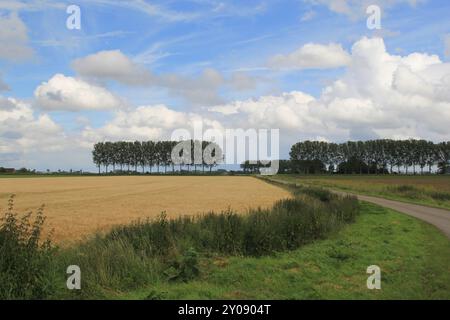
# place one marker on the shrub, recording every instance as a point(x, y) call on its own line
point(26, 266)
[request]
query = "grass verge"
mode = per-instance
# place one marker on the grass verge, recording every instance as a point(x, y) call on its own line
point(413, 257)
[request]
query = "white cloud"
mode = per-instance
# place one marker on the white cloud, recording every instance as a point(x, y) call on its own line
point(71, 94)
point(146, 123)
point(14, 38)
point(112, 65)
point(380, 95)
point(199, 90)
point(22, 131)
point(312, 56)
point(34, 140)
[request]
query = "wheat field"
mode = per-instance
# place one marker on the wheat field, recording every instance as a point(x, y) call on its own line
point(80, 206)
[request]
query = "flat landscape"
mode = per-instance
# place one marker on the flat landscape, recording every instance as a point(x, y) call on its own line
point(79, 206)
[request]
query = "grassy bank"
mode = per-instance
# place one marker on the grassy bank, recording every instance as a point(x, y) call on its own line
point(413, 257)
point(425, 190)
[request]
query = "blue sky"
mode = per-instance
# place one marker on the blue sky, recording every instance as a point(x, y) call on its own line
point(182, 39)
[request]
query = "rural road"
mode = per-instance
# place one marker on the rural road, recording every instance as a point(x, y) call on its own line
point(440, 218)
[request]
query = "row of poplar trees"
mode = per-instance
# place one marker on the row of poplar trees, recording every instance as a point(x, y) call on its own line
point(383, 155)
point(129, 156)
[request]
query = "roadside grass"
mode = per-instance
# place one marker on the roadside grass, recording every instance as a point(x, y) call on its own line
point(413, 257)
point(432, 191)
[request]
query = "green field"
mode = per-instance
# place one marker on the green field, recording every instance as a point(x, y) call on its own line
point(426, 190)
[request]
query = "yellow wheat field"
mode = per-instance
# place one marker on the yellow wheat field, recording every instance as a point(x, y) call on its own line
point(79, 206)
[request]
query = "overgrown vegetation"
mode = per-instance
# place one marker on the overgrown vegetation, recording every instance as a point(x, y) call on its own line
point(412, 256)
point(413, 192)
point(148, 252)
point(25, 261)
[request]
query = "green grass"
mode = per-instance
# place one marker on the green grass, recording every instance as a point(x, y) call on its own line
point(413, 257)
point(428, 190)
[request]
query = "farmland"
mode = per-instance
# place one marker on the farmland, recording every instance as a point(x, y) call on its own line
point(79, 206)
point(311, 245)
point(432, 190)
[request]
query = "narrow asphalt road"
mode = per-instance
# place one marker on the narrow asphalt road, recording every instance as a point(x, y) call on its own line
point(440, 218)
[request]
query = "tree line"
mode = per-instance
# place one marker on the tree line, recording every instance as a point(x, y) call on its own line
point(376, 156)
point(129, 156)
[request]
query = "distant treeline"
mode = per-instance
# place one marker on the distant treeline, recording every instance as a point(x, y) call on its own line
point(150, 154)
point(373, 156)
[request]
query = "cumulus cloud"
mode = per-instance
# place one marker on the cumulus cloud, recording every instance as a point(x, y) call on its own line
point(22, 131)
point(380, 95)
point(312, 56)
point(14, 38)
point(112, 65)
point(34, 140)
point(146, 123)
point(202, 89)
point(71, 94)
